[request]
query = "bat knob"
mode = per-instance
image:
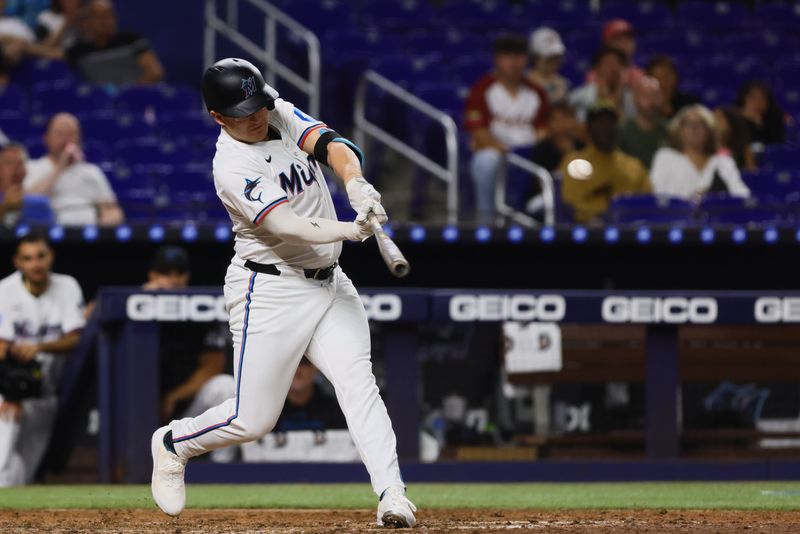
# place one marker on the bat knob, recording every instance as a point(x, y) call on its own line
point(401, 269)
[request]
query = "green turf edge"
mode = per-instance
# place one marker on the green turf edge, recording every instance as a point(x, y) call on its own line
point(542, 496)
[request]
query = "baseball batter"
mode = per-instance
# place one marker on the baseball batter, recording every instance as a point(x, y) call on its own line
point(285, 293)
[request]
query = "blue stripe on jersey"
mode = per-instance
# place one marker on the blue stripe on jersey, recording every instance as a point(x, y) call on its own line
point(268, 207)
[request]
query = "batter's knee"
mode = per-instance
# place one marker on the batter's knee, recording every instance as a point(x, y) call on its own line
point(254, 427)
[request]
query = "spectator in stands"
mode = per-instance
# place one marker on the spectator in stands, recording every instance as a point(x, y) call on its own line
point(196, 367)
point(733, 137)
point(504, 112)
point(26, 10)
point(79, 191)
point(41, 318)
point(563, 137)
point(106, 55)
point(307, 406)
point(763, 115)
point(12, 172)
point(57, 27)
point(619, 35)
point(663, 69)
point(644, 133)
point(17, 40)
point(547, 50)
point(606, 85)
point(692, 166)
point(590, 190)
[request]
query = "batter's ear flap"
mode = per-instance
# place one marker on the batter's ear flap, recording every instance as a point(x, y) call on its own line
point(271, 95)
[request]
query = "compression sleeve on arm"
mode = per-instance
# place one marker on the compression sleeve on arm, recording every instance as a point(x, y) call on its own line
point(284, 223)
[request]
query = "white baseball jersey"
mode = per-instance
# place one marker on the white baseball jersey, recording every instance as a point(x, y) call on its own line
point(28, 319)
point(252, 179)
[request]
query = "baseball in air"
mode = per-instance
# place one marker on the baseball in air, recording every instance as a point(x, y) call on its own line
point(580, 169)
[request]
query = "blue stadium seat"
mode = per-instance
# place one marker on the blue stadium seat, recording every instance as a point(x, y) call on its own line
point(158, 99)
point(54, 97)
point(16, 125)
point(96, 150)
point(713, 14)
point(152, 150)
point(34, 70)
point(36, 211)
point(190, 125)
point(13, 97)
point(777, 184)
point(466, 70)
point(647, 14)
point(781, 157)
point(778, 14)
point(113, 126)
point(724, 209)
point(632, 209)
point(405, 14)
point(407, 70)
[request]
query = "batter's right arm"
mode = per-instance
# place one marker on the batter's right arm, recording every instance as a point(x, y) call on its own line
point(285, 224)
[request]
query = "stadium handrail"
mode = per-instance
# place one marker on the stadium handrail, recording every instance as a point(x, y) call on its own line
point(546, 183)
point(364, 127)
point(268, 51)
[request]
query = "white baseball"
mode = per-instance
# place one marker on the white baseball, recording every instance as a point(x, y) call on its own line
point(580, 169)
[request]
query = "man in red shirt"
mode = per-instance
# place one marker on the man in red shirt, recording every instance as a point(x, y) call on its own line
point(505, 112)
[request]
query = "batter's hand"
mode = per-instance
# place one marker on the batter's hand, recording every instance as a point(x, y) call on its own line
point(370, 206)
point(358, 190)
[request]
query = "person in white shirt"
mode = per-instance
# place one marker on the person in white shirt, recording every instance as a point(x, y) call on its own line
point(79, 191)
point(57, 27)
point(693, 166)
point(41, 316)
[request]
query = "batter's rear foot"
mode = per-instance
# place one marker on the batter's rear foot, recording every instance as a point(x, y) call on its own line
point(167, 485)
point(395, 510)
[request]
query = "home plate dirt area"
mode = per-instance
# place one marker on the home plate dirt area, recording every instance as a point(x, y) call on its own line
point(434, 521)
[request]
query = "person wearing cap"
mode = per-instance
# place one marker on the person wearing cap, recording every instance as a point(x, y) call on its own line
point(196, 372)
point(505, 111)
point(619, 35)
point(644, 133)
point(547, 50)
point(285, 292)
point(588, 189)
point(606, 85)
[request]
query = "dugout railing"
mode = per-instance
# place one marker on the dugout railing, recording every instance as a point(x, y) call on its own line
point(128, 370)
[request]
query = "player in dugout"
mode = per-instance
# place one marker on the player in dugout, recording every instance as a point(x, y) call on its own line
point(41, 316)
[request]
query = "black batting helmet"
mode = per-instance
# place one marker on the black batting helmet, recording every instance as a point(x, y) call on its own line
point(235, 88)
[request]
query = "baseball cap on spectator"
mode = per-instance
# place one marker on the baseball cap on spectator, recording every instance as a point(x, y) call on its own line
point(546, 42)
point(600, 108)
point(170, 259)
point(616, 28)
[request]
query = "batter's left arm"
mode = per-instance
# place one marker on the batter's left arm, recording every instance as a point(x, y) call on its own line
point(345, 159)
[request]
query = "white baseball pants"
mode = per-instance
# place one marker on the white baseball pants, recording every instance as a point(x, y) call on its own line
point(274, 321)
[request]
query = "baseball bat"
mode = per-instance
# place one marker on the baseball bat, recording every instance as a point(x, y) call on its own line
point(394, 259)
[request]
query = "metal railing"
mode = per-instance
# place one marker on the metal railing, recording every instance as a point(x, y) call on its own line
point(364, 128)
point(545, 181)
point(266, 52)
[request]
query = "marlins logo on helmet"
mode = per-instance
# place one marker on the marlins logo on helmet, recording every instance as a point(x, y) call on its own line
point(249, 86)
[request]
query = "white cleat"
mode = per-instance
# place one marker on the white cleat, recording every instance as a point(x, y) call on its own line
point(167, 485)
point(395, 510)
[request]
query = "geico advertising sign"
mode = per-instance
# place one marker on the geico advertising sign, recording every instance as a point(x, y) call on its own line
point(672, 310)
point(208, 308)
point(194, 308)
point(546, 308)
point(777, 310)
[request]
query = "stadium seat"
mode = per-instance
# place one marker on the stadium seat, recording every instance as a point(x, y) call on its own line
point(112, 126)
point(724, 209)
point(36, 211)
point(152, 150)
point(158, 99)
point(54, 97)
point(16, 125)
point(647, 14)
point(772, 183)
point(713, 14)
point(13, 97)
point(781, 157)
point(34, 70)
point(778, 14)
point(632, 209)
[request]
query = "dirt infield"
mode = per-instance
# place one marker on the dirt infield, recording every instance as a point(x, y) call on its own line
point(432, 521)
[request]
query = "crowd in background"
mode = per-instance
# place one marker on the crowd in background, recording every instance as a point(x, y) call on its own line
point(638, 132)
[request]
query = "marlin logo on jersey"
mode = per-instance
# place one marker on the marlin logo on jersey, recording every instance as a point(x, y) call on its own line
point(251, 187)
point(249, 86)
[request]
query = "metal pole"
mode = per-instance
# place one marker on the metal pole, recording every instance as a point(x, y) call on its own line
point(209, 42)
point(269, 46)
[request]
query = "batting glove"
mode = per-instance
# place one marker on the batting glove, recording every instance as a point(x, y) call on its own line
point(367, 207)
point(358, 190)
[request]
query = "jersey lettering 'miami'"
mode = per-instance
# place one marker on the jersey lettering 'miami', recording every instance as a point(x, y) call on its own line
point(293, 184)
